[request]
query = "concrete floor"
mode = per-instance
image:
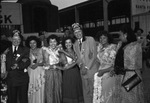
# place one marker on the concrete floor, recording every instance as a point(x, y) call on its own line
point(146, 82)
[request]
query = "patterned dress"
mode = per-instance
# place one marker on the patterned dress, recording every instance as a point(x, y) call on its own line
point(53, 77)
point(104, 86)
point(132, 61)
point(3, 85)
point(37, 80)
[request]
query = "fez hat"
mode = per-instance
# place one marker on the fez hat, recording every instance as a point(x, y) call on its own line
point(76, 27)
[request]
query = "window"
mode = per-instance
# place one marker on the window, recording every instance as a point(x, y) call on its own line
point(86, 25)
point(98, 24)
point(122, 20)
point(118, 21)
point(127, 20)
point(92, 25)
point(113, 21)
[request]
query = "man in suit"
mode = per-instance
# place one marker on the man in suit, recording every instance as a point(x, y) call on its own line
point(85, 48)
point(17, 60)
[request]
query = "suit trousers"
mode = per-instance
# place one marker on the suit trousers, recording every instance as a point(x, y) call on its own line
point(87, 84)
point(18, 94)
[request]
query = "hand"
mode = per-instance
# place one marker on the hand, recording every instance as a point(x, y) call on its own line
point(83, 71)
point(7, 50)
point(75, 58)
point(112, 73)
point(65, 67)
point(46, 65)
point(4, 75)
point(62, 51)
point(100, 73)
point(54, 66)
point(34, 66)
point(15, 66)
point(57, 67)
point(81, 65)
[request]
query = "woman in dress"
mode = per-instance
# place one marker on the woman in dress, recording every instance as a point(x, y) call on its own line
point(36, 71)
point(54, 61)
point(72, 84)
point(129, 56)
point(104, 82)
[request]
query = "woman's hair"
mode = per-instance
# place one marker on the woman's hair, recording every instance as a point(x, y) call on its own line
point(104, 33)
point(131, 37)
point(30, 38)
point(64, 40)
point(53, 37)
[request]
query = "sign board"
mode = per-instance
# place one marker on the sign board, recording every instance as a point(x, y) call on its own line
point(140, 6)
point(11, 14)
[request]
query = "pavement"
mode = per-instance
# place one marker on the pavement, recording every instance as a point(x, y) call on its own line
point(146, 82)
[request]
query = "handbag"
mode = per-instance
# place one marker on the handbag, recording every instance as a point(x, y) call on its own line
point(131, 82)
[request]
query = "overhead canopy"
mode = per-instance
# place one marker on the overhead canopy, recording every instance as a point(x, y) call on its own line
point(25, 1)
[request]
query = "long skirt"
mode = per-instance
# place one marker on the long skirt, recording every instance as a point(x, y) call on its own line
point(136, 95)
point(104, 89)
point(53, 83)
point(72, 86)
point(36, 85)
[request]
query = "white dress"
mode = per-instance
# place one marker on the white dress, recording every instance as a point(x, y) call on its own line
point(104, 86)
point(37, 80)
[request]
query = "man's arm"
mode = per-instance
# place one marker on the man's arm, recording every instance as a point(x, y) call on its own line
point(25, 61)
point(92, 52)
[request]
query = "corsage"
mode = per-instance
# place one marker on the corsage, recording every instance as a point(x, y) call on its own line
point(17, 56)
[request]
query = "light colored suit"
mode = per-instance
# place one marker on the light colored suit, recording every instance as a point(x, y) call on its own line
point(87, 57)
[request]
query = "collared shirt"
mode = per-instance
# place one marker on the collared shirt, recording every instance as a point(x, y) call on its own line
point(80, 40)
point(13, 47)
point(80, 43)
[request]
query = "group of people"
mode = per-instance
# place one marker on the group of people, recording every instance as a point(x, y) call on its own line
point(79, 71)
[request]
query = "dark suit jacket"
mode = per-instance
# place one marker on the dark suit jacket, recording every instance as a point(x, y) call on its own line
point(18, 76)
point(4, 44)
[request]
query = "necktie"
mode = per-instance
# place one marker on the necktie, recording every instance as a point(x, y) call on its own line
point(15, 50)
point(80, 44)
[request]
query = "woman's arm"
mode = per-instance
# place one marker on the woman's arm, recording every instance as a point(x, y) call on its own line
point(62, 60)
point(67, 66)
point(111, 59)
point(101, 72)
point(62, 51)
point(58, 67)
point(34, 66)
point(65, 62)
